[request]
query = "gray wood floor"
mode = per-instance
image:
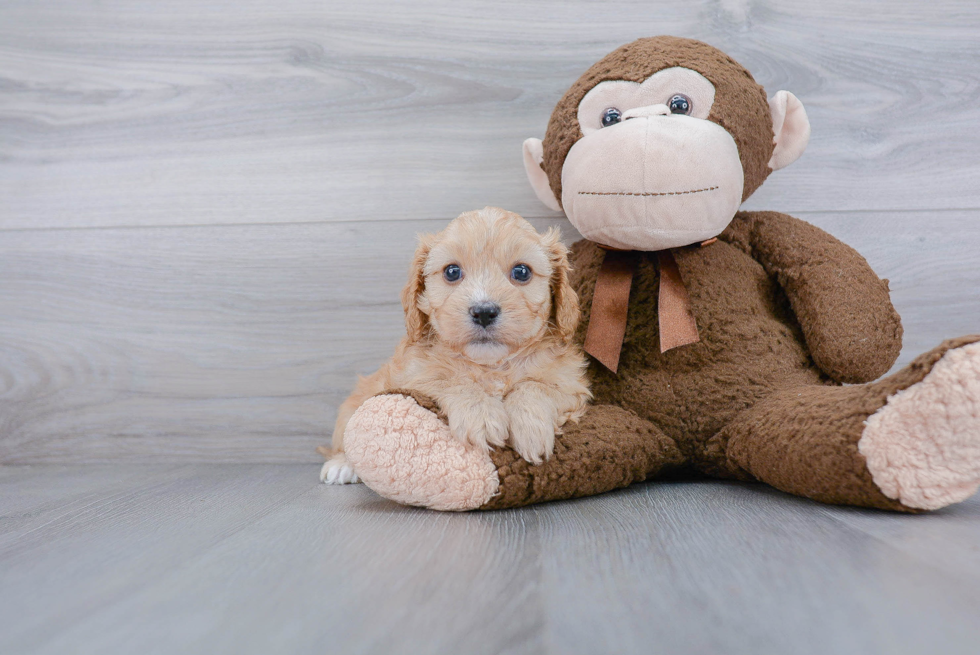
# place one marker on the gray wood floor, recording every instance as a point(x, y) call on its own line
point(206, 213)
point(262, 559)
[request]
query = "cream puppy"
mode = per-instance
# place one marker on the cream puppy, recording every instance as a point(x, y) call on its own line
point(490, 317)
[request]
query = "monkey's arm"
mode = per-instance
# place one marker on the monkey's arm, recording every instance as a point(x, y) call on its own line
point(851, 328)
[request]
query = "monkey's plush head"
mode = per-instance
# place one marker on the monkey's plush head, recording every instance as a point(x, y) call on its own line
point(658, 144)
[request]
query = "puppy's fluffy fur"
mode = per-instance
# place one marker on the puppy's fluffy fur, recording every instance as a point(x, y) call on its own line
point(516, 380)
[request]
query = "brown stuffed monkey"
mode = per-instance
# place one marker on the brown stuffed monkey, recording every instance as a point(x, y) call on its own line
point(721, 340)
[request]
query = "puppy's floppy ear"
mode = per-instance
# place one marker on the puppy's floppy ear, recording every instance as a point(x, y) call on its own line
point(564, 300)
point(416, 321)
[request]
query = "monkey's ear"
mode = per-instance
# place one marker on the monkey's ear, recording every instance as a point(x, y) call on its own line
point(791, 127)
point(533, 156)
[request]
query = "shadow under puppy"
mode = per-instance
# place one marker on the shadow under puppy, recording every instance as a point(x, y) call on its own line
point(490, 319)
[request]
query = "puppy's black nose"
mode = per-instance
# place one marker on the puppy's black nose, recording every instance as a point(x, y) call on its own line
point(485, 313)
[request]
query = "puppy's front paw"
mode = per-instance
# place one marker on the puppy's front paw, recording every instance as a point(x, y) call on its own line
point(337, 470)
point(532, 429)
point(480, 421)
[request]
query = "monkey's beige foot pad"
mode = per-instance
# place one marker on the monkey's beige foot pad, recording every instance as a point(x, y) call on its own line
point(923, 446)
point(404, 452)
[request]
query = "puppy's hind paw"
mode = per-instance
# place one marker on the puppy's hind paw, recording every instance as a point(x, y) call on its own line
point(337, 470)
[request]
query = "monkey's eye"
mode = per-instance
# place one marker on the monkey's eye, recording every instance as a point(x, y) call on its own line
point(680, 104)
point(611, 116)
point(521, 272)
point(452, 273)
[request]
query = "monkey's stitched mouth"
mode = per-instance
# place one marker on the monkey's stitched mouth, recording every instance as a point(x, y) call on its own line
point(633, 193)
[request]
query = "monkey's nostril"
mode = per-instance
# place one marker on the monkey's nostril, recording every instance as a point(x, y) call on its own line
point(485, 313)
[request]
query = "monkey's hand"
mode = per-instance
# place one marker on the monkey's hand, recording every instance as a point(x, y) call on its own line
point(851, 328)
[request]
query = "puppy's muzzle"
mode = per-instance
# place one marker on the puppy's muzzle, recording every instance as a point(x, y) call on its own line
point(484, 314)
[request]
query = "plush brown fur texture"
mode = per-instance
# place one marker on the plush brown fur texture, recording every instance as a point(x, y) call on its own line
point(740, 104)
point(750, 391)
point(801, 440)
point(609, 448)
point(754, 353)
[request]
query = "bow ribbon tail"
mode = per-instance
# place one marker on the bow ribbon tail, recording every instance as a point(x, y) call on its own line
point(610, 303)
point(676, 318)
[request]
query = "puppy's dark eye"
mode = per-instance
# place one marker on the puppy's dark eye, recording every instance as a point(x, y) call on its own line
point(680, 104)
point(452, 273)
point(611, 116)
point(521, 273)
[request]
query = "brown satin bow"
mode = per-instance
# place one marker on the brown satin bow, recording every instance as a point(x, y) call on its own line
point(610, 302)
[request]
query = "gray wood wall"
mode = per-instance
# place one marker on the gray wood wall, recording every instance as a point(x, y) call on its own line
point(206, 211)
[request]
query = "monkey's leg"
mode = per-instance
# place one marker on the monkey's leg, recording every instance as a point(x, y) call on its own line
point(403, 450)
point(609, 448)
point(908, 442)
